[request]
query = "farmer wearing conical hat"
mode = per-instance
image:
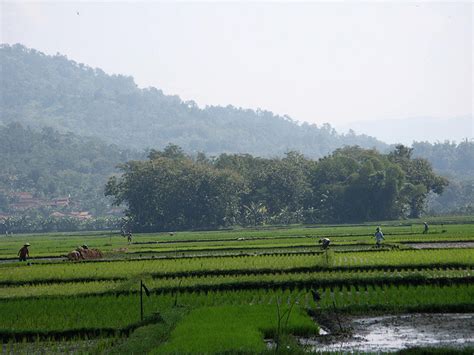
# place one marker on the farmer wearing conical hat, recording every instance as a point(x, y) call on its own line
point(24, 253)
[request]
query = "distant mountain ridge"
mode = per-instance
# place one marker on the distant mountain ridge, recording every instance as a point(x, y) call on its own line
point(51, 91)
point(416, 129)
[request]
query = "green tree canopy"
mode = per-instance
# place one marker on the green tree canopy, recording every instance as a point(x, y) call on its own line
point(173, 191)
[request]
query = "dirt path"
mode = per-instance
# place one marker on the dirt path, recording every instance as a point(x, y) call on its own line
point(396, 332)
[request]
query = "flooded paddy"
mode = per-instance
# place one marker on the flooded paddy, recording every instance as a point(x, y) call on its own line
point(441, 245)
point(397, 332)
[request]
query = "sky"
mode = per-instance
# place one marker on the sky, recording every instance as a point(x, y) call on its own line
point(336, 62)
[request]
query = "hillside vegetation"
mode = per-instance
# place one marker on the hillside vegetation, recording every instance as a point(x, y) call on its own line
point(65, 126)
point(48, 165)
point(41, 90)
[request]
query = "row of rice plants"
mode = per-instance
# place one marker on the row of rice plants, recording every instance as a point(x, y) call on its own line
point(15, 274)
point(66, 313)
point(52, 346)
point(96, 312)
point(279, 245)
point(271, 280)
point(399, 298)
point(406, 257)
point(55, 244)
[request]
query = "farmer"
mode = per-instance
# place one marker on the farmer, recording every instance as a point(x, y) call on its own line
point(23, 253)
point(324, 243)
point(378, 237)
point(129, 237)
point(425, 231)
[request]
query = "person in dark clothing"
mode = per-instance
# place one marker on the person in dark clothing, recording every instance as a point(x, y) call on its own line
point(324, 243)
point(24, 253)
point(425, 231)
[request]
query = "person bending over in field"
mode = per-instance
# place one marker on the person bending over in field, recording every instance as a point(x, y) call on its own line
point(324, 243)
point(24, 253)
point(378, 237)
point(425, 231)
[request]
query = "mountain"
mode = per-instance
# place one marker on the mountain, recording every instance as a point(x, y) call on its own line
point(64, 126)
point(52, 91)
point(416, 129)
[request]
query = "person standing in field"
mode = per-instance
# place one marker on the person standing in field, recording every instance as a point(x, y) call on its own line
point(378, 237)
point(425, 231)
point(24, 253)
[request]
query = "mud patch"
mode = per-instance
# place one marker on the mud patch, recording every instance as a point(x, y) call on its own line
point(397, 332)
point(440, 245)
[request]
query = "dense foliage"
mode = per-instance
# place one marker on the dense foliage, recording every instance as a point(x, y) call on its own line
point(48, 164)
point(456, 162)
point(448, 158)
point(173, 191)
point(40, 90)
point(32, 222)
point(51, 93)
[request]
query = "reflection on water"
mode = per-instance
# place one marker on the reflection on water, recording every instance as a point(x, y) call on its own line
point(396, 332)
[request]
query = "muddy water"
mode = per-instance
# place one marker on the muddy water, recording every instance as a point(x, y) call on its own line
point(439, 245)
point(397, 332)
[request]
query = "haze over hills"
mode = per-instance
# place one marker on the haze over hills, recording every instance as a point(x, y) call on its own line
point(43, 94)
point(41, 90)
point(415, 129)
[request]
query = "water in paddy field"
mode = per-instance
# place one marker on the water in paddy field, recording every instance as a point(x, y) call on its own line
point(397, 332)
point(439, 245)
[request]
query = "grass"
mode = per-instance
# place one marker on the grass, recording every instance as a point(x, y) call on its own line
point(73, 346)
point(234, 329)
point(437, 351)
point(89, 313)
point(231, 295)
point(14, 274)
point(241, 281)
point(56, 244)
point(145, 339)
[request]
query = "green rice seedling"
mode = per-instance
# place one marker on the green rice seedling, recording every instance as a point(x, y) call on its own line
point(117, 271)
point(116, 312)
point(56, 244)
point(233, 328)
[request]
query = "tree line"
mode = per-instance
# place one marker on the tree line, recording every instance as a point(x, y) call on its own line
point(171, 190)
point(37, 223)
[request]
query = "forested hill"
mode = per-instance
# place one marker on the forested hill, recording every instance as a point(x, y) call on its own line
point(448, 158)
point(51, 91)
point(49, 165)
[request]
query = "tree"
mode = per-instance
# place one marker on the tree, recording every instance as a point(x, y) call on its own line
point(420, 180)
point(163, 193)
point(354, 184)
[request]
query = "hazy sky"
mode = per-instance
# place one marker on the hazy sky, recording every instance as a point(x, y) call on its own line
point(319, 62)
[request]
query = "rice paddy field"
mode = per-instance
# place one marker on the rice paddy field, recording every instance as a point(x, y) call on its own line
point(265, 290)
